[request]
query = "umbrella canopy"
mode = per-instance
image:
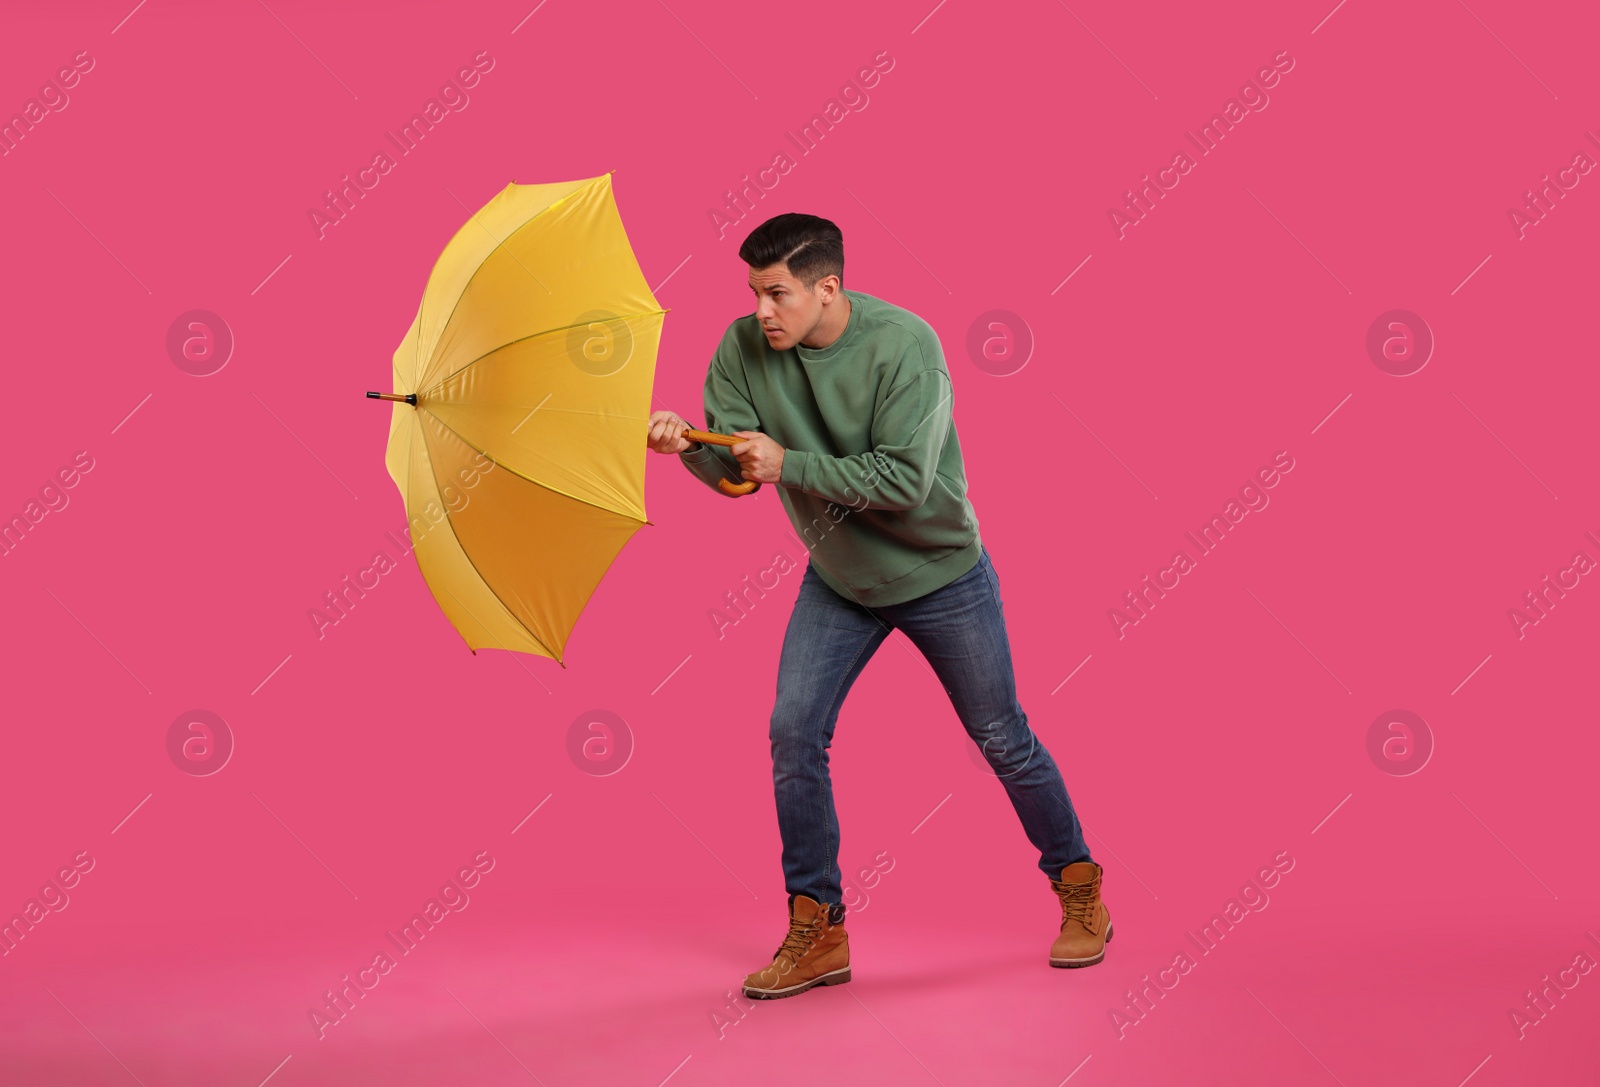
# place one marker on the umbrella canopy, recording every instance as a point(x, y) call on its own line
point(521, 393)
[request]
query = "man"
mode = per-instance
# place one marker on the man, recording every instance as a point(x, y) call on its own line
point(844, 403)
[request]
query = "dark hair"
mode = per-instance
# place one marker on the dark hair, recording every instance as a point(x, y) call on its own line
point(812, 247)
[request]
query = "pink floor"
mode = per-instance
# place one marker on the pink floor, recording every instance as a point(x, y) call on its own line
point(1384, 678)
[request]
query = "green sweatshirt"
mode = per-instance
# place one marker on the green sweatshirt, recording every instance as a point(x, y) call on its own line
point(872, 478)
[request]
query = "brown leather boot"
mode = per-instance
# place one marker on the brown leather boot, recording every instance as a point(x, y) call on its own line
point(816, 952)
point(1085, 921)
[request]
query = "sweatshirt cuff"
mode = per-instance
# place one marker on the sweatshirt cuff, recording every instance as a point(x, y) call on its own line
point(794, 468)
point(697, 454)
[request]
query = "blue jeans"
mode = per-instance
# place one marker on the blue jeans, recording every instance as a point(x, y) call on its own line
point(961, 630)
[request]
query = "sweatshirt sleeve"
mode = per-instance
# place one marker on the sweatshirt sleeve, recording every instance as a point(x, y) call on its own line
point(727, 408)
point(908, 434)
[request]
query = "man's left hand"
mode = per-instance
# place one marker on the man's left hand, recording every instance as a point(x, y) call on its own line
point(760, 458)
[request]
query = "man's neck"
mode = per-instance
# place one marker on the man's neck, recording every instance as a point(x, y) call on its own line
point(826, 337)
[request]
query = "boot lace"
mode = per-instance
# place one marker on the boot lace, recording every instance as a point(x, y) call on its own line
point(801, 936)
point(1078, 902)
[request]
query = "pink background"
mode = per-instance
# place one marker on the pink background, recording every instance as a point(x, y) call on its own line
point(1228, 726)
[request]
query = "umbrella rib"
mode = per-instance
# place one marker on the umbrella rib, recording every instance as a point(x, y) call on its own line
point(416, 346)
point(501, 241)
point(530, 479)
point(410, 462)
point(531, 336)
point(455, 305)
point(427, 452)
point(497, 247)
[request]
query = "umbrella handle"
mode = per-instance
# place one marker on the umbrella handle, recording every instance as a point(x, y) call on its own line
point(729, 488)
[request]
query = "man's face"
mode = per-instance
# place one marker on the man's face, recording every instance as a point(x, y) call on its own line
point(787, 311)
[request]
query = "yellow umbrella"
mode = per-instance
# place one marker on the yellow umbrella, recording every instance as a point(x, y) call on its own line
point(520, 393)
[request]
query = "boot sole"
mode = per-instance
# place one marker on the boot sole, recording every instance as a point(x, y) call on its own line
point(1069, 964)
point(835, 977)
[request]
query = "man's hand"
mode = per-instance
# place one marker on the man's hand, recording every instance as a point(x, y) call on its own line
point(760, 458)
point(666, 433)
